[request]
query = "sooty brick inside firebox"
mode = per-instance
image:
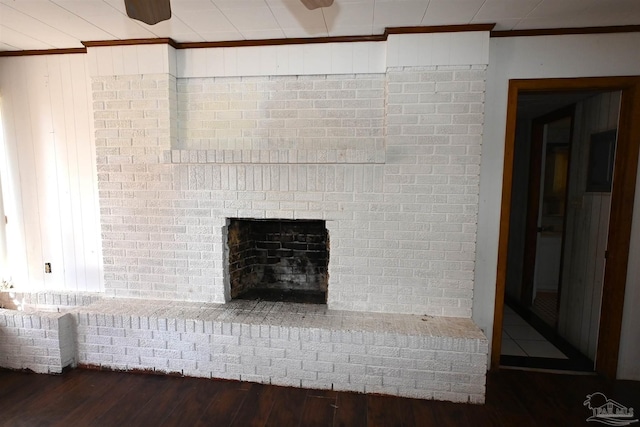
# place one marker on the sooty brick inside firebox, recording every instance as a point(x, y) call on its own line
point(281, 260)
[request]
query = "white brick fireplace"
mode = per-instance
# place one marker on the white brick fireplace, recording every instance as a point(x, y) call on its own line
point(378, 140)
point(389, 159)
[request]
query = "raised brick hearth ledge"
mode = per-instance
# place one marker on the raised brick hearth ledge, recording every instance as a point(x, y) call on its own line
point(287, 344)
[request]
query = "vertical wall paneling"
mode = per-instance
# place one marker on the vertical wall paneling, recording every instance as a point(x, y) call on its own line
point(87, 190)
point(105, 61)
point(49, 174)
point(437, 49)
point(10, 78)
point(285, 60)
point(591, 285)
point(587, 230)
point(598, 277)
point(610, 115)
point(71, 213)
point(130, 59)
point(581, 297)
point(118, 59)
point(25, 131)
point(3, 232)
point(63, 139)
point(45, 159)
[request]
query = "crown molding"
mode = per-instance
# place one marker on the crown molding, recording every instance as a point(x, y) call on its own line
point(8, 53)
point(131, 42)
point(567, 31)
point(438, 29)
point(263, 42)
point(280, 42)
point(341, 39)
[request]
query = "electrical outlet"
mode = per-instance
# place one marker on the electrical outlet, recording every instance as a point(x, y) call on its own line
point(47, 267)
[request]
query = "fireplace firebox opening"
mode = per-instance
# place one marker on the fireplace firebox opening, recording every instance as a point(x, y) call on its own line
point(278, 259)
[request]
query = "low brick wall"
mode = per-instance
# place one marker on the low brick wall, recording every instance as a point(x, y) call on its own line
point(297, 345)
point(46, 300)
point(42, 342)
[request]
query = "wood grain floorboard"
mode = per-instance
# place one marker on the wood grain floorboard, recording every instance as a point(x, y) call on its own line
point(126, 404)
point(69, 397)
point(318, 411)
point(351, 410)
point(199, 395)
point(481, 415)
point(528, 402)
point(532, 394)
point(383, 411)
point(97, 398)
point(19, 407)
point(423, 415)
point(257, 406)
point(161, 404)
point(511, 410)
point(223, 409)
point(8, 384)
point(97, 391)
point(447, 415)
point(287, 408)
point(405, 407)
point(16, 396)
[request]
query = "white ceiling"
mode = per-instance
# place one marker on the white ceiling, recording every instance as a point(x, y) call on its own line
point(59, 24)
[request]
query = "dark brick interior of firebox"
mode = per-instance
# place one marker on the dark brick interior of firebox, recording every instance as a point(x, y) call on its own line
point(281, 260)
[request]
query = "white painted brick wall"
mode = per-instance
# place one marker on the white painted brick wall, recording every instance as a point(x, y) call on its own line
point(289, 344)
point(287, 114)
point(402, 224)
point(41, 342)
point(46, 300)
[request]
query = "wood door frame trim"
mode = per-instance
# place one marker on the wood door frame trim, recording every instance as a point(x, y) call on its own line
point(622, 199)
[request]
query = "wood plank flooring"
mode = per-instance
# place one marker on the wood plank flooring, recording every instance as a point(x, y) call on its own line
point(98, 398)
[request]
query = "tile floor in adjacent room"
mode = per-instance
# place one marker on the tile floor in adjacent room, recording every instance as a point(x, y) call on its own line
point(521, 339)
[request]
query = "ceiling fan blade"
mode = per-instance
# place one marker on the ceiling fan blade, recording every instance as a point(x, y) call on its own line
point(148, 11)
point(314, 4)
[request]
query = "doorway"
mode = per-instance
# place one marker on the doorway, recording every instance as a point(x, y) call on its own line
point(542, 329)
point(549, 160)
point(548, 228)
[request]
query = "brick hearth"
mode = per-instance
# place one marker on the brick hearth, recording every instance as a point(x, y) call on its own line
point(302, 345)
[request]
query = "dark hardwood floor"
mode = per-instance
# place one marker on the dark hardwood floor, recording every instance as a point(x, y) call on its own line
point(98, 398)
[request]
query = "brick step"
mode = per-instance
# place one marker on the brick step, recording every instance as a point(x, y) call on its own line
point(289, 344)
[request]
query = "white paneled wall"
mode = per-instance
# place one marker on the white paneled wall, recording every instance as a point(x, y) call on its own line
point(438, 49)
point(48, 173)
point(587, 232)
point(285, 60)
point(131, 60)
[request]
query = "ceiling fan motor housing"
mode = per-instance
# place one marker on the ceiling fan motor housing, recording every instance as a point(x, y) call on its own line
point(148, 11)
point(314, 4)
